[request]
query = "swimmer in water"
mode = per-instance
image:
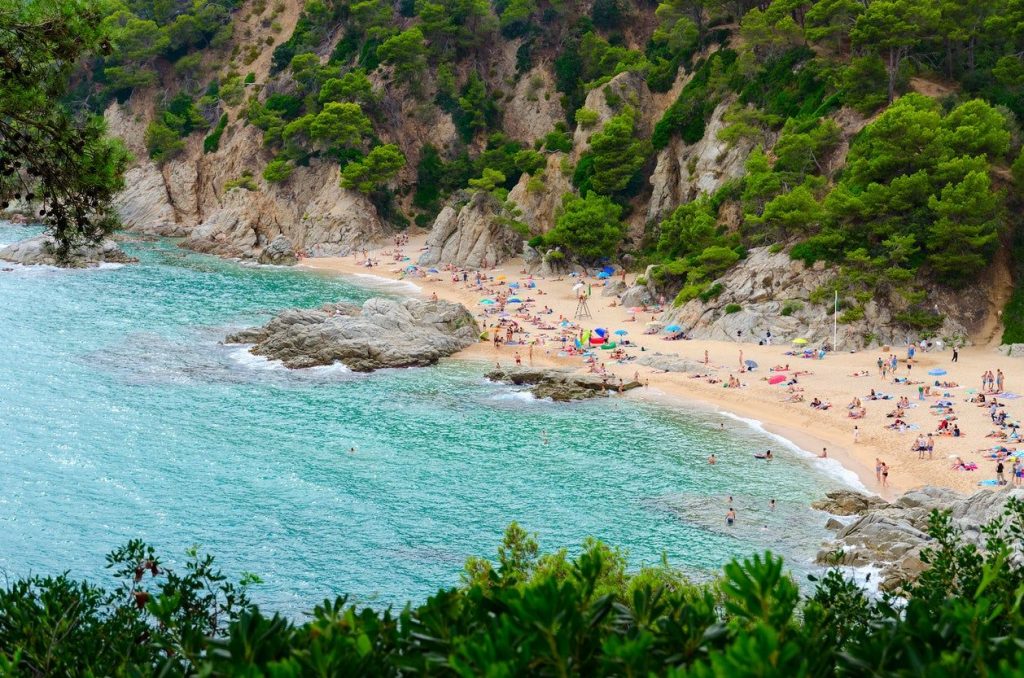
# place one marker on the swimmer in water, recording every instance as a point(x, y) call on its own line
point(768, 456)
point(730, 517)
point(544, 436)
point(771, 504)
point(712, 460)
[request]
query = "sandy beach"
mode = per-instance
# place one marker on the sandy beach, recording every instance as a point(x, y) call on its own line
point(837, 379)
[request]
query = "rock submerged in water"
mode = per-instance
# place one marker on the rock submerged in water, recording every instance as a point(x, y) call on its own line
point(559, 385)
point(891, 536)
point(41, 250)
point(381, 333)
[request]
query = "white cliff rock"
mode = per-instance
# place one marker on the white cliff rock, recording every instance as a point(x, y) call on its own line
point(471, 235)
point(685, 171)
point(540, 208)
point(534, 108)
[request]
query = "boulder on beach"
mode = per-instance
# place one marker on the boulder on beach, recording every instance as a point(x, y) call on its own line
point(41, 250)
point(381, 333)
point(557, 384)
point(892, 535)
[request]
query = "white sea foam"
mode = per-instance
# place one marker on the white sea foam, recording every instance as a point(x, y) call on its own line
point(379, 282)
point(333, 368)
point(244, 358)
point(516, 396)
point(829, 467)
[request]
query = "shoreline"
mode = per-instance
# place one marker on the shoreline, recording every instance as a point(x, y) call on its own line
point(801, 426)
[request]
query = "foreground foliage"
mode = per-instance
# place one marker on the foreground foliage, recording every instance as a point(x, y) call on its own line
point(552, 614)
point(53, 161)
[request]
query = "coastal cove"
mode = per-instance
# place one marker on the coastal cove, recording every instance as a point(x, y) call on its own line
point(106, 373)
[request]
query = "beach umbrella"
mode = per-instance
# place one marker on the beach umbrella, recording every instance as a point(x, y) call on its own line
point(800, 341)
point(487, 301)
point(432, 270)
point(621, 333)
point(500, 277)
point(673, 328)
point(603, 276)
point(410, 268)
point(750, 364)
point(777, 379)
point(514, 285)
point(515, 300)
point(937, 372)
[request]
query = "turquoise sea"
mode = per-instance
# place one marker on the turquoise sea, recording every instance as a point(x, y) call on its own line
point(121, 415)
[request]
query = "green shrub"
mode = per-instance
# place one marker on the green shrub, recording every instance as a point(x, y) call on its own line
point(250, 78)
point(687, 293)
point(711, 292)
point(278, 170)
point(733, 308)
point(245, 181)
point(586, 117)
point(212, 141)
point(790, 307)
point(920, 319)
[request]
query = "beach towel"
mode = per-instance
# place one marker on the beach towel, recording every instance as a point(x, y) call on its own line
point(988, 483)
point(1009, 396)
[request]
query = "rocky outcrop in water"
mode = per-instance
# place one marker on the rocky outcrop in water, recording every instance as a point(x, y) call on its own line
point(559, 385)
point(892, 535)
point(279, 252)
point(471, 234)
point(381, 333)
point(39, 250)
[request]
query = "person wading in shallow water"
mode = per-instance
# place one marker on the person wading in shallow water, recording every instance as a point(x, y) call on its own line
point(730, 517)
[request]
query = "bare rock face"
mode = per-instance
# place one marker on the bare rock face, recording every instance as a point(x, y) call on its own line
point(471, 235)
point(892, 535)
point(540, 208)
point(382, 333)
point(685, 171)
point(40, 250)
point(186, 198)
point(773, 292)
point(279, 253)
point(534, 107)
point(559, 385)
point(144, 206)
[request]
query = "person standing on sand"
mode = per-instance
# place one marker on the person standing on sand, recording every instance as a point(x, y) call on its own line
point(856, 434)
point(741, 360)
point(885, 474)
point(999, 473)
point(519, 359)
point(878, 470)
point(706, 359)
point(956, 354)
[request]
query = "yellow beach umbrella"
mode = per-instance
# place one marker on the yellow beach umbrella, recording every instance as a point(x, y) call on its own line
point(800, 341)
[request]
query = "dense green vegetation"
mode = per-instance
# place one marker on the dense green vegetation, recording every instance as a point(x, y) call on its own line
point(924, 196)
point(527, 613)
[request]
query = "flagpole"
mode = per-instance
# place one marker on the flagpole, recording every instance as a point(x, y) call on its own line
point(835, 324)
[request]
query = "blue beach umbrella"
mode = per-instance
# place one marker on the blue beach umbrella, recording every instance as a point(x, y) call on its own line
point(673, 328)
point(487, 301)
point(621, 333)
point(602, 275)
point(937, 372)
point(515, 300)
point(431, 270)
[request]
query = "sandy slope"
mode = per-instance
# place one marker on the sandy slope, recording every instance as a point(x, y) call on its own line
point(830, 379)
